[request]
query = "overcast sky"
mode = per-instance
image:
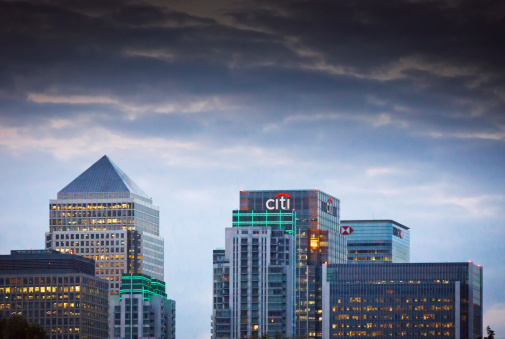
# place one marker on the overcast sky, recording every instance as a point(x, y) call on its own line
point(395, 107)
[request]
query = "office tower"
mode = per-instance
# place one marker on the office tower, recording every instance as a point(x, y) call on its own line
point(254, 277)
point(58, 291)
point(376, 241)
point(141, 310)
point(422, 300)
point(317, 240)
point(104, 215)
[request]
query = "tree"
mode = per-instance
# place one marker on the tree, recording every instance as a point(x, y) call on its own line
point(490, 333)
point(16, 327)
point(36, 331)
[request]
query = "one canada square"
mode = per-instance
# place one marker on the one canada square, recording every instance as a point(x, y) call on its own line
point(105, 216)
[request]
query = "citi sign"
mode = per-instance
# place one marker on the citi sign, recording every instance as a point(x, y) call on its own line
point(328, 207)
point(280, 201)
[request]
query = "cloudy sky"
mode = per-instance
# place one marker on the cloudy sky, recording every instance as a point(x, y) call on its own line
point(396, 107)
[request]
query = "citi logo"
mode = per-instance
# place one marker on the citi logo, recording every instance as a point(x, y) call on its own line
point(329, 206)
point(280, 201)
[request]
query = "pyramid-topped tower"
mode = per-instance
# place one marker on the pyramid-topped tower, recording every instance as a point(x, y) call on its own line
point(103, 215)
point(102, 177)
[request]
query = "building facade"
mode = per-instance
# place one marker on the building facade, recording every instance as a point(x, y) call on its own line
point(376, 241)
point(141, 310)
point(311, 238)
point(105, 216)
point(317, 240)
point(58, 291)
point(254, 277)
point(422, 300)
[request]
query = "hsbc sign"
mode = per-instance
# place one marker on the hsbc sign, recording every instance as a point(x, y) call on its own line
point(346, 230)
point(397, 232)
point(280, 201)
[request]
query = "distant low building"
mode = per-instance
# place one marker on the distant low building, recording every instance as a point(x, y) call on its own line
point(58, 291)
point(376, 241)
point(141, 310)
point(421, 300)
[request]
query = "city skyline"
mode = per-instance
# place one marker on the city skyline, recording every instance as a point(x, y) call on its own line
point(395, 108)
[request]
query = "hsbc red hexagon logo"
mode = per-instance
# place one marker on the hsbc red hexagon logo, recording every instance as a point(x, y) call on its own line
point(346, 230)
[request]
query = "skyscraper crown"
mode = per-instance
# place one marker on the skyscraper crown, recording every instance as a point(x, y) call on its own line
point(102, 177)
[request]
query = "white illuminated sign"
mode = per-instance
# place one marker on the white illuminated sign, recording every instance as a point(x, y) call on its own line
point(280, 201)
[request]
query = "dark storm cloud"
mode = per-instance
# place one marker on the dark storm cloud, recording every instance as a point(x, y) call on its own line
point(450, 47)
point(368, 33)
point(436, 63)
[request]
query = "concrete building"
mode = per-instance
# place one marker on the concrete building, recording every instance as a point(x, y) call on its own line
point(105, 216)
point(141, 310)
point(376, 241)
point(422, 300)
point(58, 291)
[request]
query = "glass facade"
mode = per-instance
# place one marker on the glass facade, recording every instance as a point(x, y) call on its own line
point(377, 241)
point(254, 277)
point(317, 217)
point(141, 310)
point(104, 215)
point(432, 300)
point(57, 291)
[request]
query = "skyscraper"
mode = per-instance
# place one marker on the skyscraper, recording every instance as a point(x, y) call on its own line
point(254, 278)
point(376, 241)
point(315, 229)
point(105, 216)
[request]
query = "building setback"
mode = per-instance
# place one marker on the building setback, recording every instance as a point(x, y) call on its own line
point(376, 241)
point(428, 300)
point(58, 291)
point(105, 216)
point(141, 310)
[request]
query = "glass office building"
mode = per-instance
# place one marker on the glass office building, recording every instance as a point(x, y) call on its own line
point(58, 291)
point(377, 241)
point(421, 300)
point(317, 240)
point(254, 277)
point(105, 216)
point(141, 310)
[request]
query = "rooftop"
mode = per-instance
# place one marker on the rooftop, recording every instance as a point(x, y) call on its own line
point(102, 177)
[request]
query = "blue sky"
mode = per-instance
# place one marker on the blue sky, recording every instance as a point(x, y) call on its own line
point(395, 107)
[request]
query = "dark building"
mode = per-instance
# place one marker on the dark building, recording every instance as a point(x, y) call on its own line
point(421, 300)
point(58, 291)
